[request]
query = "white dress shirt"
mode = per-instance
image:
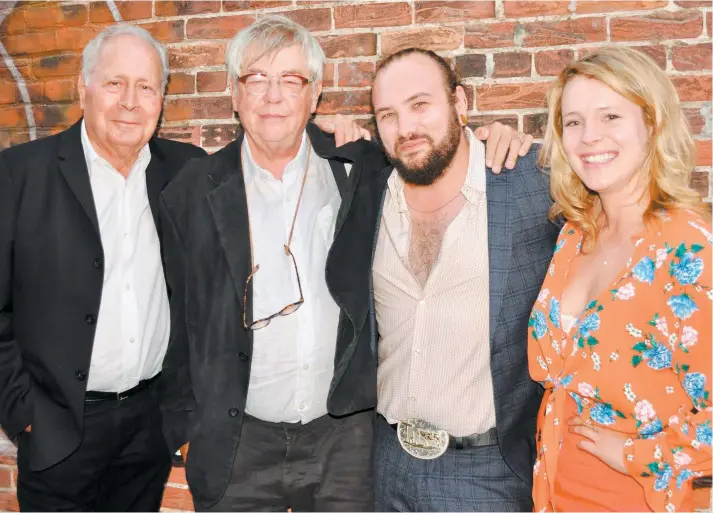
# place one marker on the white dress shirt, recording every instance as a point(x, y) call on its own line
point(293, 357)
point(133, 323)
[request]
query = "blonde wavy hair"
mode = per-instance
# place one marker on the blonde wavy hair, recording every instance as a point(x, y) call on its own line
point(670, 155)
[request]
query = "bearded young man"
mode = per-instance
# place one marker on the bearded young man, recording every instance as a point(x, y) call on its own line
point(459, 254)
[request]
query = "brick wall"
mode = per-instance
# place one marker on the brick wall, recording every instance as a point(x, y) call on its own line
point(506, 51)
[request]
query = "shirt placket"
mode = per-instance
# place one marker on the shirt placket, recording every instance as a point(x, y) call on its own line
point(130, 326)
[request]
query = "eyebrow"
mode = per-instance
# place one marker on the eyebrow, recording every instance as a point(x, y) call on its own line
point(598, 108)
point(407, 100)
point(285, 72)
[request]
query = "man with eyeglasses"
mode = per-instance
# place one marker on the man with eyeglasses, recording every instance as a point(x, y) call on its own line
point(271, 387)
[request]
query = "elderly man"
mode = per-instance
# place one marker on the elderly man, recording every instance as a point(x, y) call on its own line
point(272, 375)
point(84, 315)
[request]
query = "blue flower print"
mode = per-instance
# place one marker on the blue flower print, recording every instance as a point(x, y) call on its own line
point(704, 433)
point(682, 306)
point(650, 429)
point(658, 357)
point(644, 270)
point(590, 323)
point(555, 312)
point(664, 476)
point(539, 322)
point(602, 414)
point(687, 270)
point(684, 476)
point(559, 245)
point(577, 400)
point(694, 385)
point(566, 380)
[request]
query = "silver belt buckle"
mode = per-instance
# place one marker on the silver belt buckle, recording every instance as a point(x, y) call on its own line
point(421, 439)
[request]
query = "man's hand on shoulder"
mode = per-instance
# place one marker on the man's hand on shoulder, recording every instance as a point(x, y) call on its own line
point(345, 130)
point(502, 141)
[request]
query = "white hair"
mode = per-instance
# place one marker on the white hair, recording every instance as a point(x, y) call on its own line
point(270, 34)
point(91, 52)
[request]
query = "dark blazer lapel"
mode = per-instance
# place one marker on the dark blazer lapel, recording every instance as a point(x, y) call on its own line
point(499, 239)
point(157, 176)
point(229, 206)
point(73, 166)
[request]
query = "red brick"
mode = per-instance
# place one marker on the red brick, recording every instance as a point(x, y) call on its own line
point(549, 63)
point(512, 64)
point(592, 6)
point(8, 502)
point(66, 65)
point(469, 95)
point(222, 27)
point(181, 83)
point(191, 135)
point(534, 124)
point(567, 32)
point(129, 10)
point(525, 8)
point(657, 53)
point(198, 108)
point(8, 451)
point(697, 118)
point(218, 135)
point(349, 45)
point(700, 181)
point(471, 65)
point(432, 11)
point(47, 15)
point(703, 152)
point(186, 7)
point(14, 22)
point(356, 74)
point(511, 96)
point(75, 39)
point(212, 81)
point(345, 102)
point(5, 478)
point(8, 93)
point(372, 15)
point(31, 43)
point(695, 88)
point(692, 4)
point(436, 39)
point(200, 54)
point(315, 20)
point(60, 90)
point(692, 57)
point(494, 35)
point(178, 474)
point(478, 121)
point(658, 26)
point(56, 115)
point(166, 31)
point(36, 91)
point(328, 75)
point(709, 22)
point(242, 5)
point(177, 498)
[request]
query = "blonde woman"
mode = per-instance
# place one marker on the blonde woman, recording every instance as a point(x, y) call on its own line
point(620, 335)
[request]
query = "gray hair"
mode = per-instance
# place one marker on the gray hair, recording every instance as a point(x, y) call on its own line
point(91, 52)
point(272, 33)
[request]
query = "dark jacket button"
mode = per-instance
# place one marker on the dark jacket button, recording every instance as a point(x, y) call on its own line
point(243, 357)
point(90, 319)
point(81, 376)
point(98, 263)
point(233, 412)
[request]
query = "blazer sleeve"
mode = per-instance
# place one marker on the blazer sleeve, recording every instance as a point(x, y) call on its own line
point(15, 382)
point(176, 390)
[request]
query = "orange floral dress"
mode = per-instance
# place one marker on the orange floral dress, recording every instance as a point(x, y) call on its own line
point(638, 360)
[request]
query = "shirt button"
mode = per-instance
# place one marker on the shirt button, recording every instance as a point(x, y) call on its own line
point(81, 376)
point(233, 412)
point(243, 357)
point(412, 398)
point(98, 263)
point(90, 319)
point(417, 351)
point(132, 340)
point(302, 406)
point(126, 235)
point(128, 287)
point(422, 302)
point(305, 367)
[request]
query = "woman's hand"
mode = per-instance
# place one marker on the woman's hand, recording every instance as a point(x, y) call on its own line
point(606, 444)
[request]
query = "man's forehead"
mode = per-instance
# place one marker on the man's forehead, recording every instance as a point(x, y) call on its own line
point(407, 78)
point(259, 56)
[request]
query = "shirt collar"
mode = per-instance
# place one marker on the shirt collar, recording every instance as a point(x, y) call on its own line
point(93, 158)
point(474, 179)
point(251, 169)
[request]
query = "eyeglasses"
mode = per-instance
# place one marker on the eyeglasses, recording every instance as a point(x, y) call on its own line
point(257, 84)
point(292, 307)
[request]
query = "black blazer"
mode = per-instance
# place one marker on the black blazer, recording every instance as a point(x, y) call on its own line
point(51, 276)
point(207, 367)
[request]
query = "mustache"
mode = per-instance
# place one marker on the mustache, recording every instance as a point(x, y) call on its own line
point(412, 137)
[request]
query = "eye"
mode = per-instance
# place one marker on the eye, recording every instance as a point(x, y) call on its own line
point(611, 117)
point(386, 115)
point(419, 105)
point(113, 83)
point(572, 123)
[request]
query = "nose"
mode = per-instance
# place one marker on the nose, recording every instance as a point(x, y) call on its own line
point(406, 125)
point(591, 132)
point(274, 91)
point(128, 98)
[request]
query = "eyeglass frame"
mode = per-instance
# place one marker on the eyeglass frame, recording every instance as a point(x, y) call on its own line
point(243, 80)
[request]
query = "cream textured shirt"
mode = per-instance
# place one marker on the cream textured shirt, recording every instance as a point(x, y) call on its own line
point(293, 357)
point(133, 324)
point(434, 342)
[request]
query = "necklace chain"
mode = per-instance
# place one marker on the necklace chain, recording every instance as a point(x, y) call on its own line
point(435, 209)
point(619, 244)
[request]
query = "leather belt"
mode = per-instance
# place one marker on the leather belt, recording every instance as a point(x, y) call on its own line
point(490, 437)
point(92, 396)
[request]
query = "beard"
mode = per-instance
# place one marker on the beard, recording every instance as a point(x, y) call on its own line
point(430, 167)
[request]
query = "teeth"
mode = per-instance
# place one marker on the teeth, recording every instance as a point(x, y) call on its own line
point(598, 159)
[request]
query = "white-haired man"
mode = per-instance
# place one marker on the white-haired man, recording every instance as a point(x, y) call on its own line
point(84, 315)
point(272, 376)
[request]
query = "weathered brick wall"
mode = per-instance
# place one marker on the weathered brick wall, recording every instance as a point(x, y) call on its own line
point(506, 51)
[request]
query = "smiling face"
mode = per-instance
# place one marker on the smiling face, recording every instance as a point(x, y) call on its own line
point(278, 117)
point(122, 101)
point(417, 117)
point(604, 136)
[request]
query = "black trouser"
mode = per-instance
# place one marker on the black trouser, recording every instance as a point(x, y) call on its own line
point(324, 465)
point(122, 463)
